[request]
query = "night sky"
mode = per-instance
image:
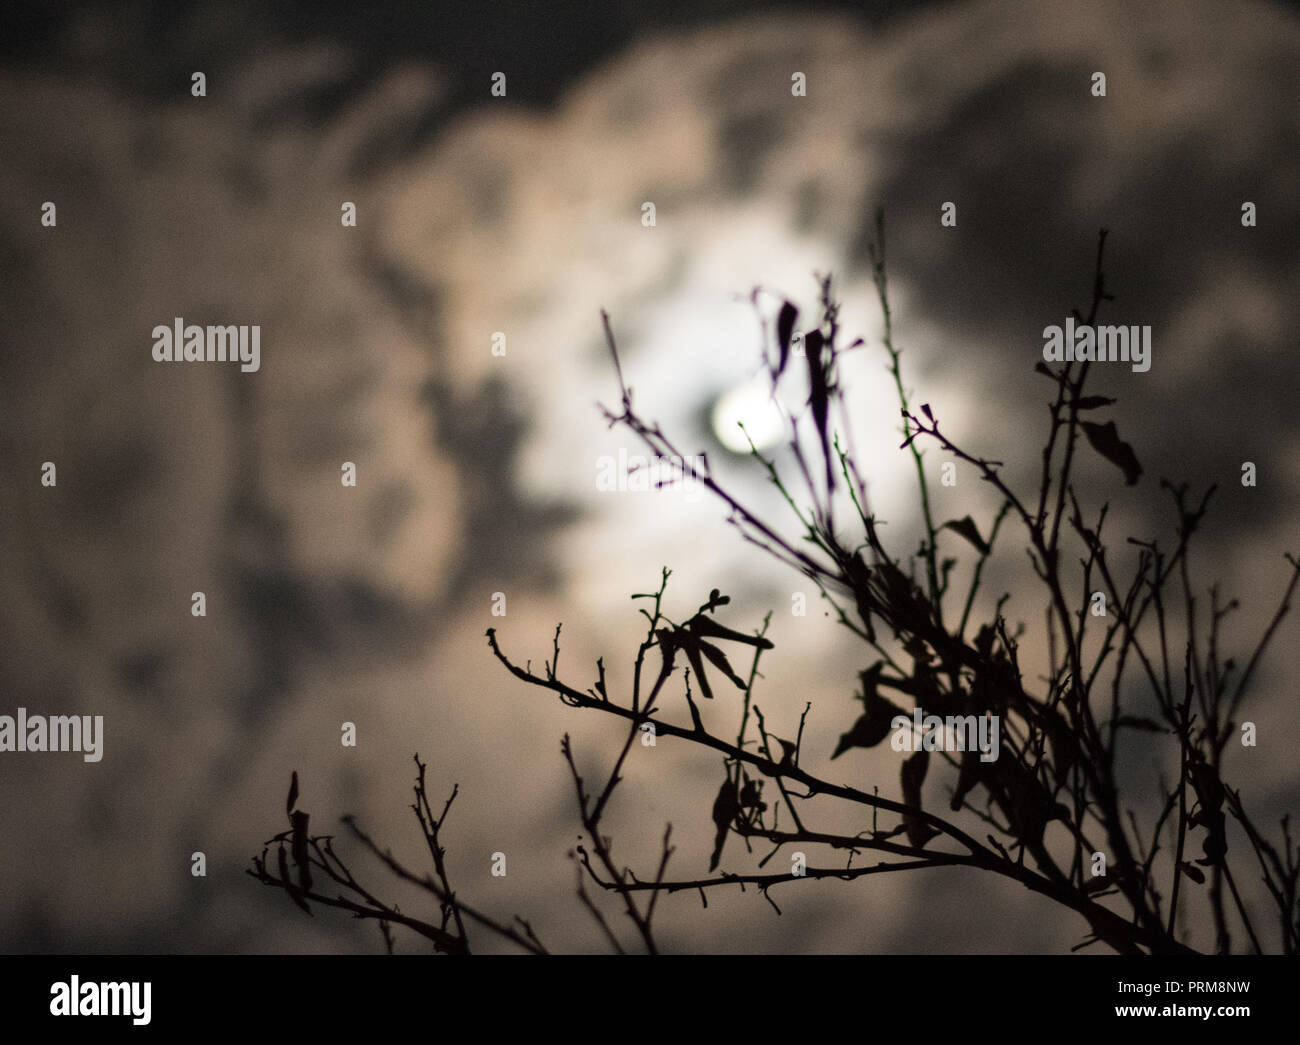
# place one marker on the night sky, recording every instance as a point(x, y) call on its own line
point(477, 472)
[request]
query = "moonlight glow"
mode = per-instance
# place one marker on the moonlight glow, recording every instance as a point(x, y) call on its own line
point(749, 404)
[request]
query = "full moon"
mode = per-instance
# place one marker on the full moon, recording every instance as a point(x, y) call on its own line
point(751, 405)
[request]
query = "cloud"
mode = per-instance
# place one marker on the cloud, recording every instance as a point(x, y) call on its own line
point(478, 472)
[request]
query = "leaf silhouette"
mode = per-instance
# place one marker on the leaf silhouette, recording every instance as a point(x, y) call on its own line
point(300, 849)
point(787, 753)
point(1026, 801)
point(872, 726)
point(1210, 794)
point(1064, 740)
point(668, 650)
point(784, 330)
point(819, 396)
point(1092, 402)
point(293, 793)
point(871, 679)
point(1106, 441)
point(692, 651)
point(966, 527)
point(858, 575)
point(912, 777)
point(716, 599)
point(719, 661)
point(725, 809)
point(710, 628)
point(690, 640)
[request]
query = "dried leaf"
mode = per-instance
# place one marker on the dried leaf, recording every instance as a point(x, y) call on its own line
point(719, 661)
point(692, 651)
point(912, 777)
point(871, 679)
point(725, 810)
point(819, 396)
point(716, 599)
point(966, 527)
point(872, 726)
point(784, 330)
point(668, 650)
point(300, 820)
point(690, 639)
point(1106, 441)
point(710, 628)
point(1210, 794)
point(858, 576)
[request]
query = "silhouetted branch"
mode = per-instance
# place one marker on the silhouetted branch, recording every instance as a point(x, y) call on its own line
point(1110, 859)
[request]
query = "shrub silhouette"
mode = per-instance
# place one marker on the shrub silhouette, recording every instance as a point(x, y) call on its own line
point(1060, 751)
